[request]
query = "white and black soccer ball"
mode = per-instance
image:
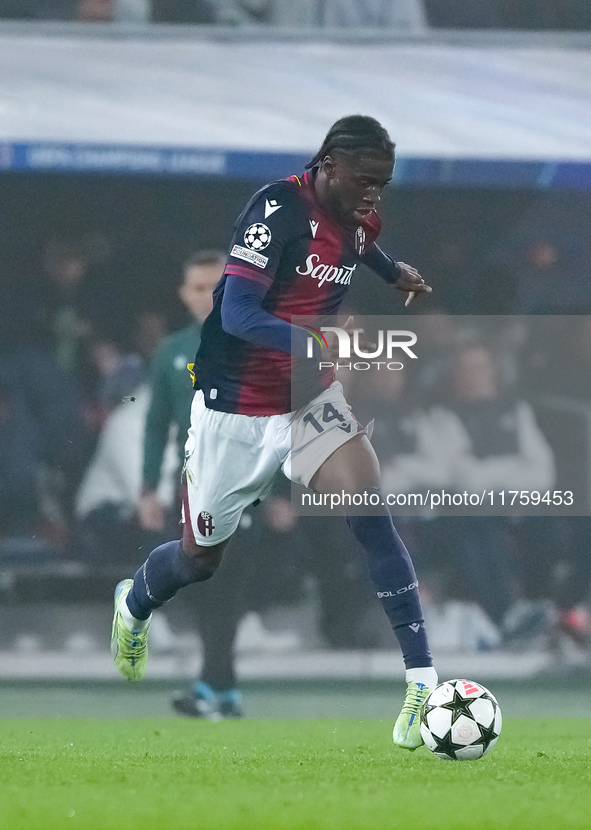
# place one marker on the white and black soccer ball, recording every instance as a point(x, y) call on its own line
point(257, 237)
point(461, 720)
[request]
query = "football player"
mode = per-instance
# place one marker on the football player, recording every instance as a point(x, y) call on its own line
point(295, 250)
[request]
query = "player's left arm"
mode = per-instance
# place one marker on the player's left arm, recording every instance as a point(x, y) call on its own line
point(402, 276)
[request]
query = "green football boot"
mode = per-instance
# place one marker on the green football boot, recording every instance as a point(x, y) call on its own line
point(407, 729)
point(129, 648)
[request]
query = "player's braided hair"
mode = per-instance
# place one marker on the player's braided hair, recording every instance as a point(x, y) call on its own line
point(352, 134)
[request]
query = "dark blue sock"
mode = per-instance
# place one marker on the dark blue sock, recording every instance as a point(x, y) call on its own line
point(166, 569)
point(394, 577)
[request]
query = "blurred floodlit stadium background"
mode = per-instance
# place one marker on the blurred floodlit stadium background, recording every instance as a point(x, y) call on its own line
point(131, 134)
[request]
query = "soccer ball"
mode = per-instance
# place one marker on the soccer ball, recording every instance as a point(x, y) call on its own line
point(257, 237)
point(460, 721)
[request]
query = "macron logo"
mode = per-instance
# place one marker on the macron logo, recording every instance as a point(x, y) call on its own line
point(313, 227)
point(271, 207)
point(415, 627)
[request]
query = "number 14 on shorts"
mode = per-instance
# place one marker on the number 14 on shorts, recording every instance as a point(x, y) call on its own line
point(329, 414)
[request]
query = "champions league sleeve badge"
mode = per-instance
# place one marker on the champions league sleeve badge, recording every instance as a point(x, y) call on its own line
point(257, 237)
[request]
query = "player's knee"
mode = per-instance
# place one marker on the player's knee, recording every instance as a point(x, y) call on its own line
point(207, 558)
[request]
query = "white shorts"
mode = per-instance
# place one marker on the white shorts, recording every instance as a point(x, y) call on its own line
point(231, 460)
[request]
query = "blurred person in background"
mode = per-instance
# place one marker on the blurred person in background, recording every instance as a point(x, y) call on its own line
point(217, 611)
point(171, 394)
point(109, 494)
point(170, 382)
point(38, 394)
point(558, 372)
point(493, 443)
point(80, 314)
point(59, 314)
point(39, 348)
point(66, 300)
point(116, 365)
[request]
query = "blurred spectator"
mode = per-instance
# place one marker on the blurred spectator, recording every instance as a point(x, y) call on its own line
point(172, 389)
point(64, 300)
point(57, 355)
point(494, 443)
point(107, 500)
point(556, 564)
point(46, 401)
point(68, 306)
point(118, 373)
point(114, 370)
point(217, 608)
point(497, 443)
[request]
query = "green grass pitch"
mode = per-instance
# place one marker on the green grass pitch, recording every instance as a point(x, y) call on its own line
point(185, 774)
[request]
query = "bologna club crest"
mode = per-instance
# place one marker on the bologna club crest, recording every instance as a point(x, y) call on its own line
point(205, 523)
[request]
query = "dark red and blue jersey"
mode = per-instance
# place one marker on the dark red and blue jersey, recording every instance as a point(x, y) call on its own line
point(296, 254)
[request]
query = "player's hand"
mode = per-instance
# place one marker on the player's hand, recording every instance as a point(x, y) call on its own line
point(151, 512)
point(411, 281)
